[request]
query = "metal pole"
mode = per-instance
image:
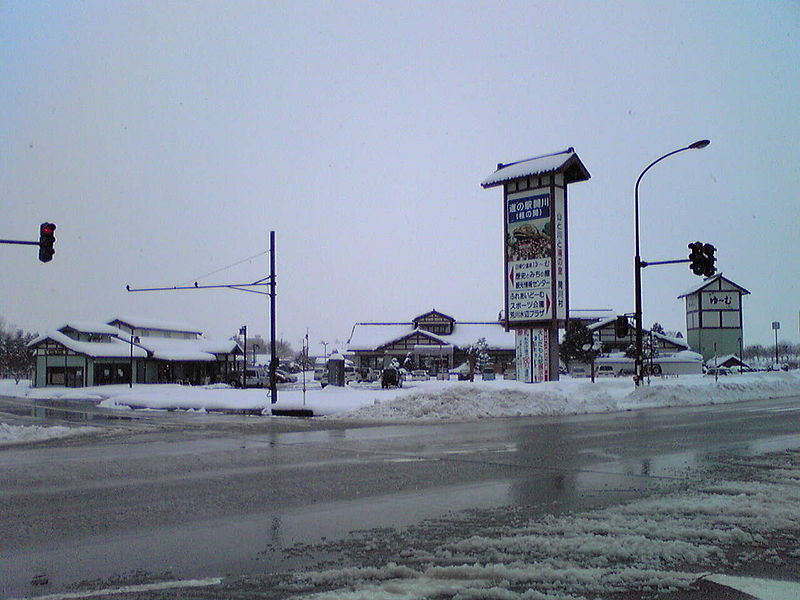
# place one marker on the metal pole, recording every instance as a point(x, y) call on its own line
point(776, 347)
point(637, 261)
point(130, 384)
point(273, 363)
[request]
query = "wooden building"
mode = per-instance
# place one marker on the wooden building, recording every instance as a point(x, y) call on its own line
point(82, 354)
point(434, 341)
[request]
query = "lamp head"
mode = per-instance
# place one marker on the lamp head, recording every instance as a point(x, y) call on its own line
point(699, 144)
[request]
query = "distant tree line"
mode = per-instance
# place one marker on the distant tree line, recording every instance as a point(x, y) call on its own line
point(788, 354)
point(16, 359)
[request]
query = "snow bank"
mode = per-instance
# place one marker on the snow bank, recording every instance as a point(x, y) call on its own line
point(435, 400)
point(448, 400)
point(19, 434)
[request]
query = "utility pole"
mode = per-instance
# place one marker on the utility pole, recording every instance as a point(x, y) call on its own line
point(245, 287)
point(273, 346)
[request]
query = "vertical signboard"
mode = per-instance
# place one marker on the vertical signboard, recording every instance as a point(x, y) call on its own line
point(560, 252)
point(524, 358)
point(536, 255)
point(541, 354)
point(529, 251)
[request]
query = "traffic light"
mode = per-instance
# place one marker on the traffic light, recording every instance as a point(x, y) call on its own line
point(697, 258)
point(708, 260)
point(46, 241)
point(621, 327)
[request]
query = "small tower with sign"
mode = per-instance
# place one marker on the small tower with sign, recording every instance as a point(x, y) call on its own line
point(536, 273)
point(714, 317)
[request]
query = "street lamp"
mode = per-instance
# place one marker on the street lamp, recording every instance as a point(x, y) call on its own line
point(638, 259)
point(324, 348)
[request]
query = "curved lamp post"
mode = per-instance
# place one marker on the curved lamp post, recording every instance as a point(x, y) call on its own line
point(638, 260)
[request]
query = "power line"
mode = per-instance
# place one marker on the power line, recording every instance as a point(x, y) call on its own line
point(244, 260)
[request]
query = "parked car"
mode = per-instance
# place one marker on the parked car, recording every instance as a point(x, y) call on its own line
point(420, 375)
point(605, 371)
point(718, 371)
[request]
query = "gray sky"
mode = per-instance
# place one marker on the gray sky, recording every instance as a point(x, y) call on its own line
point(165, 140)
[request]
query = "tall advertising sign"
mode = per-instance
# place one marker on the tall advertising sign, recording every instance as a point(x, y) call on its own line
point(535, 252)
point(536, 272)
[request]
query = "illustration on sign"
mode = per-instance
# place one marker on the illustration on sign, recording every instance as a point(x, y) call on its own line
point(529, 228)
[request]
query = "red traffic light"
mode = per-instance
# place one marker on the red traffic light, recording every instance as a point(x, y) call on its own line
point(46, 241)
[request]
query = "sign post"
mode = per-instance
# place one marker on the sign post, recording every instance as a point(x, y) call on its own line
point(536, 273)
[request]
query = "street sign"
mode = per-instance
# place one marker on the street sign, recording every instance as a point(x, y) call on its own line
point(776, 325)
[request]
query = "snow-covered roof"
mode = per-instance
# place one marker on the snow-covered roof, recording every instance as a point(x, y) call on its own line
point(600, 324)
point(565, 161)
point(144, 323)
point(90, 327)
point(725, 360)
point(114, 348)
point(708, 281)
point(199, 349)
point(369, 336)
point(592, 314)
point(676, 341)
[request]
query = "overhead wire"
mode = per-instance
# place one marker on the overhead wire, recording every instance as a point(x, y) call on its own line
point(239, 262)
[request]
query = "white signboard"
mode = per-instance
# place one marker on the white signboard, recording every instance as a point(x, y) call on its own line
point(529, 290)
point(536, 256)
point(541, 355)
point(524, 359)
point(560, 257)
point(720, 300)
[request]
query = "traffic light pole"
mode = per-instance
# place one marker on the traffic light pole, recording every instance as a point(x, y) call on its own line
point(19, 242)
point(638, 263)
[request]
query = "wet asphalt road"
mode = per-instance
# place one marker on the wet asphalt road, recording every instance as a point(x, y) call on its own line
point(192, 496)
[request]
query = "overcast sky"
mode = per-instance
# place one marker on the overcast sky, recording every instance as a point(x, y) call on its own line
point(166, 139)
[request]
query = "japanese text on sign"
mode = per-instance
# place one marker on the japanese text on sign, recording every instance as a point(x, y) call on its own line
point(529, 208)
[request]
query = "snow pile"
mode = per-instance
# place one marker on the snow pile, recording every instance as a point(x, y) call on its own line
point(447, 400)
point(20, 434)
point(750, 514)
point(434, 400)
point(173, 396)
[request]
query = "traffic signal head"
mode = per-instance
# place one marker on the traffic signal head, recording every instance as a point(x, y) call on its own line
point(621, 329)
point(697, 258)
point(47, 239)
point(708, 260)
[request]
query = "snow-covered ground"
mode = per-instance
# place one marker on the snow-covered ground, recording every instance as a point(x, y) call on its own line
point(19, 434)
point(733, 524)
point(425, 400)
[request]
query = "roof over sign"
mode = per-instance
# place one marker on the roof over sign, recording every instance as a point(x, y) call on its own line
point(566, 162)
point(708, 281)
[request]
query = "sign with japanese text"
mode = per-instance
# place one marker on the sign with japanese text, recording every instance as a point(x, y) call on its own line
point(536, 256)
point(540, 339)
point(524, 358)
point(715, 300)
